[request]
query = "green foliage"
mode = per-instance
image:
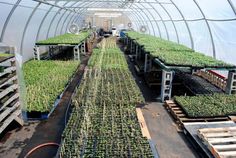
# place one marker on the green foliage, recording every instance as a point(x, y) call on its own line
point(67, 38)
point(208, 105)
point(45, 80)
point(187, 58)
point(104, 114)
point(103, 122)
point(110, 57)
point(174, 54)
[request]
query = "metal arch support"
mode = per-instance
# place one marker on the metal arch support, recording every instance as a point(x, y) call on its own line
point(151, 22)
point(59, 23)
point(141, 15)
point(50, 25)
point(41, 24)
point(148, 19)
point(61, 19)
point(26, 26)
point(232, 6)
point(95, 3)
point(84, 10)
point(167, 34)
point(209, 28)
point(73, 15)
point(8, 19)
point(133, 18)
point(71, 19)
point(176, 32)
point(65, 21)
point(159, 30)
point(189, 31)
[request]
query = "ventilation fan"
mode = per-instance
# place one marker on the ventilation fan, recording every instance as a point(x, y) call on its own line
point(143, 29)
point(129, 24)
point(74, 29)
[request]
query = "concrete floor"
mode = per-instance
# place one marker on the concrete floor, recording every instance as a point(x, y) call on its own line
point(15, 140)
point(164, 133)
point(169, 140)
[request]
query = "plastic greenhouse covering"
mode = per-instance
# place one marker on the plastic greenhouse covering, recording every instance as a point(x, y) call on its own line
point(207, 26)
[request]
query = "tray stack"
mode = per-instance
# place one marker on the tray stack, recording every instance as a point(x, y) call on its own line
point(9, 96)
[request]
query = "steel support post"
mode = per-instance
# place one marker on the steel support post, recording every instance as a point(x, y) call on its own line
point(231, 83)
point(166, 85)
point(36, 53)
point(77, 53)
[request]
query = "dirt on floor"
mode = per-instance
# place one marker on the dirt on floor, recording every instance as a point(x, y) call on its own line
point(14, 141)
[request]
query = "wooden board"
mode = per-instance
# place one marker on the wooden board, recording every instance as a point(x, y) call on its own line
point(181, 117)
point(220, 141)
point(142, 124)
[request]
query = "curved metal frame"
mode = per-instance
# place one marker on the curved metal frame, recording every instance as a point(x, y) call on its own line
point(209, 29)
point(176, 32)
point(159, 30)
point(61, 19)
point(84, 10)
point(167, 33)
point(42, 21)
point(189, 31)
point(150, 20)
point(54, 17)
point(26, 26)
point(134, 15)
point(8, 19)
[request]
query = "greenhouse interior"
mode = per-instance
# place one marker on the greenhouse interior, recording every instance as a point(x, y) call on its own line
point(118, 78)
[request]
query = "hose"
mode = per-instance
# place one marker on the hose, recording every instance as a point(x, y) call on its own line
point(40, 146)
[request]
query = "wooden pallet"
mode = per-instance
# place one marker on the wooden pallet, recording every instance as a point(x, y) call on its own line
point(214, 78)
point(220, 141)
point(181, 117)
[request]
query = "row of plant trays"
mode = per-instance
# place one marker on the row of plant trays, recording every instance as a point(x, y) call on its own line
point(172, 64)
point(103, 122)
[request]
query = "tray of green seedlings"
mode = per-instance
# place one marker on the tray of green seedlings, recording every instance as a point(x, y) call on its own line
point(215, 105)
point(109, 126)
point(108, 43)
point(45, 80)
point(103, 121)
point(186, 58)
point(109, 57)
point(68, 38)
point(173, 54)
